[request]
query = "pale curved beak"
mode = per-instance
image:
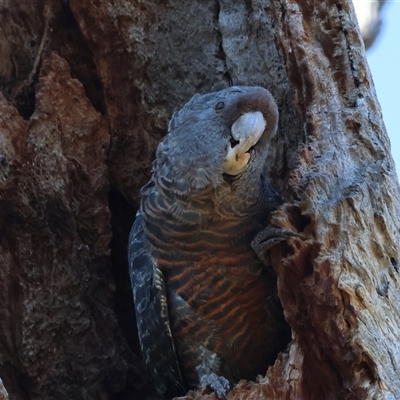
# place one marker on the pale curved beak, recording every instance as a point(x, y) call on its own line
point(246, 132)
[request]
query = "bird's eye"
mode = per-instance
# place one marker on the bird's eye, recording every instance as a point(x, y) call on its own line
point(219, 106)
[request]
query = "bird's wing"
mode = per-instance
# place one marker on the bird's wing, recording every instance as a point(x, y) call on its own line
point(153, 325)
point(271, 197)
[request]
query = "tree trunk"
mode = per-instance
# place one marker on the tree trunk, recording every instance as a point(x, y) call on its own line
point(88, 88)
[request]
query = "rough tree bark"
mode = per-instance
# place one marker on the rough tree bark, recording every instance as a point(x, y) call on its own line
point(87, 91)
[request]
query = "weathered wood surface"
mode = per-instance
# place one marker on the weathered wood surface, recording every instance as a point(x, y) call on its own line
point(87, 91)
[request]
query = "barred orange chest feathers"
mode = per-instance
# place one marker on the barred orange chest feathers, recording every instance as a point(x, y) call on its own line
point(207, 307)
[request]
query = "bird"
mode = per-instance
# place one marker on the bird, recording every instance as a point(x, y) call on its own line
point(207, 308)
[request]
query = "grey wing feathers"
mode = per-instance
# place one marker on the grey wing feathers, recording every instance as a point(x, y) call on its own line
point(271, 196)
point(152, 315)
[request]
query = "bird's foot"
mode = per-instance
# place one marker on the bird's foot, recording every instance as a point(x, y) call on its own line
point(269, 237)
point(218, 384)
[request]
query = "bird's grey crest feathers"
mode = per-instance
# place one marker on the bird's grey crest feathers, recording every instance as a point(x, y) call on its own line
point(199, 136)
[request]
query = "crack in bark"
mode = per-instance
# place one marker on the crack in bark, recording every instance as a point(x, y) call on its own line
point(222, 55)
point(354, 72)
point(23, 95)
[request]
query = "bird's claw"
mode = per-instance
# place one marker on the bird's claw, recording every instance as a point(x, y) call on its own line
point(218, 384)
point(269, 237)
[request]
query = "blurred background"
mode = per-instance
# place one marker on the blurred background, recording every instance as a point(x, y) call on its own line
point(380, 25)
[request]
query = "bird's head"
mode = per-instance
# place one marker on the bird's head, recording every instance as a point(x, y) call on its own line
point(218, 137)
